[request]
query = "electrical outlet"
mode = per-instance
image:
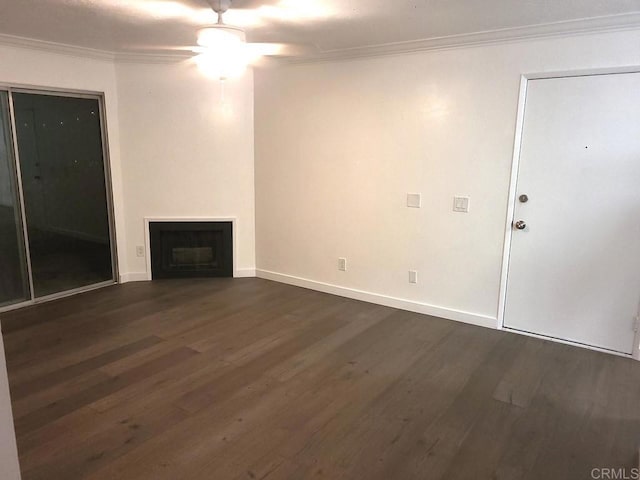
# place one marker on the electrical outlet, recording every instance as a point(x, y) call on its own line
point(140, 251)
point(461, 204)
point(414, 200)
point(413, 276)
point(342, 264)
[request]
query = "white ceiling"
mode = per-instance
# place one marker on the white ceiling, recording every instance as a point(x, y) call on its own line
point(141, 25)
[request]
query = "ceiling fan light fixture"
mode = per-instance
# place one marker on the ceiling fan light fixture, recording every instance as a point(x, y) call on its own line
point(225, 53)
point(220, 36)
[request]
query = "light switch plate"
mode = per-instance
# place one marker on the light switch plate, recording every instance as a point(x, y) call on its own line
point(461, 204)
point(413, 276)
point(342, 264)
point(414, 200)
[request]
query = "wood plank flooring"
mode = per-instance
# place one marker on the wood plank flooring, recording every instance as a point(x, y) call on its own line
point(251, 379)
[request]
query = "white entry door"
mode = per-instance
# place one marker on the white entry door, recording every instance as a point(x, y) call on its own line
point(574, 268)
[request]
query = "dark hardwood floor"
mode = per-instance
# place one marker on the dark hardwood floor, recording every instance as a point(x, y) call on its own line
point(250, 379)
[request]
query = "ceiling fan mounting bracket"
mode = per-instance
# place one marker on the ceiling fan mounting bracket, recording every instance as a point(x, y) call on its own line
point(219, 6)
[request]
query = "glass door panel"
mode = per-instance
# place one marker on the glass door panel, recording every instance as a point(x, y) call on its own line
point(64, 187)
point(14, 283)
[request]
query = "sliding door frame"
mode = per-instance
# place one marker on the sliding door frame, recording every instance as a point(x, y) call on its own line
point(21, 209)
point(99, 96)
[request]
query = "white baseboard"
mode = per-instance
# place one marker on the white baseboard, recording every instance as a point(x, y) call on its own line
point(402, 304)
point(244, 273)
point(134, 277)
point(144, 277)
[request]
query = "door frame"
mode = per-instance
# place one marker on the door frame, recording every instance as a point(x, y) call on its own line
point(11, 88)
point(511, 205)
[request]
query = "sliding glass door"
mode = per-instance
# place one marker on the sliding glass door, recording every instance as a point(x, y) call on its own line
point(14, 282)
point(63, 241)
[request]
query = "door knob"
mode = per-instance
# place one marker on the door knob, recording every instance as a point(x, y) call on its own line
point(520, 225)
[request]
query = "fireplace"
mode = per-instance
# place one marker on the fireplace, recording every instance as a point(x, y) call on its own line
point(191, 249)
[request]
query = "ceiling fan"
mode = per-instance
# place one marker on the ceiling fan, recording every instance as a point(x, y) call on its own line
point(223, 51)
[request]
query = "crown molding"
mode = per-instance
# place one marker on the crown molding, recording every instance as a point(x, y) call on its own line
point(611, 23)
point(92, 53)
point(151, 58)
point(54, 47)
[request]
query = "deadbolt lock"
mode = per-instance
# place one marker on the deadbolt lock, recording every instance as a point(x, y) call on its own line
point(523, 198)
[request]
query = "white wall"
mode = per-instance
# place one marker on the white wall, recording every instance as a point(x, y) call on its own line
point(38, 68)
point(185, 153)
point(9, 467)
point(339, 145)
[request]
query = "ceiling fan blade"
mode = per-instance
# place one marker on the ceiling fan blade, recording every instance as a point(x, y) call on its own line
point(279, 49)
point(266, 62)
point(255, 49)
point(167, 48)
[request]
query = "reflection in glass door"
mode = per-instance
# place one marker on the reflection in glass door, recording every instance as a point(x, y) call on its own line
point(62, 167)
point(14, 284)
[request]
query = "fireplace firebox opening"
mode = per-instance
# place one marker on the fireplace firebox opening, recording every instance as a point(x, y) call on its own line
point(191, 249)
